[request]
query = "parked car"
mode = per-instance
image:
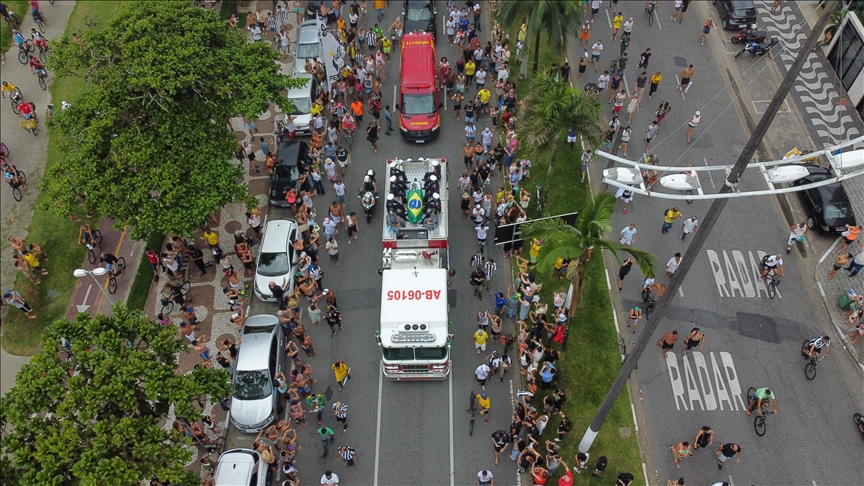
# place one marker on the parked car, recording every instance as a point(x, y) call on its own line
point(420, 16)
point(285, 173)
point(827, 207)
point(307, 47)
point(241, 467)
point(735, 14)
point(302, 99)
point(277, 260)
point(255, 402)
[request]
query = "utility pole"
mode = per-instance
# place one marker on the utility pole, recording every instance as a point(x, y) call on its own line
point(705, 228)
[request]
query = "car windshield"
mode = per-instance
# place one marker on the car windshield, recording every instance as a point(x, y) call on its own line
point(407, 354)
point(307, 51)
point(302, 106)
point(273, 264)
point(423, 104)
point(838, 211)
point(252, 385)
point(418, 14)
point(744, 12)
point(282, 172)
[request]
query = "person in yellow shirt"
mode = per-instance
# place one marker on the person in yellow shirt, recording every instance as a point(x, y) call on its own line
point(669, 219)
point(483, 99)
point(480, 337)
point(485, 404)
point(342, 372)
point(470, 68)
point(33, 261)
point(7, 87)
point(316, 109)
point(534, 252)
point(211, 237)
point(617, 20)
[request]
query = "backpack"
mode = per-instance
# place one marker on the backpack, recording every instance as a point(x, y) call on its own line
point(666, 212)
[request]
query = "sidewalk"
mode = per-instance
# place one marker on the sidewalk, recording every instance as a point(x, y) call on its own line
point(830, 119)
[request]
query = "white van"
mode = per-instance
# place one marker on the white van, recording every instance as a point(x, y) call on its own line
point(308, 45)
point(302, 99)
point(241, 467)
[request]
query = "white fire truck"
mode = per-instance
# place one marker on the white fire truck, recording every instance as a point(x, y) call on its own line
point(415, 329)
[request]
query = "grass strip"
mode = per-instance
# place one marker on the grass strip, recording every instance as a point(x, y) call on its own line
point(22, 11)
point(56, 236)
point(140, 290)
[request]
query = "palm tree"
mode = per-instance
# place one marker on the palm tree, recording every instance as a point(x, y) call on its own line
point(553, 106)
point(561, 240)
point(558, 18)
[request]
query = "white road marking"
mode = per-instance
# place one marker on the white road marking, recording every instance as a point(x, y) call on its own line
point(680, 291)
point(394, 96)
point(608, 285)
point(645, 472)
point(83, 306)
point(738, 274)
point(695, 381)
point(378, 424)
point(829, 250)
point(635, 423)
point(450, 391)
point(709, 173)
point(731, 483)
point(821, 290)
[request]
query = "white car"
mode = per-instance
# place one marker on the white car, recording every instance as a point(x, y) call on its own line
point(255, 401)
point(241, 467)
point(277, 260)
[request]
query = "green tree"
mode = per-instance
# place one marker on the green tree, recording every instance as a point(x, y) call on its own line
point(559, 18)
point(148, 141)
point(97, 419)
point(561, 240)
point(551, 108)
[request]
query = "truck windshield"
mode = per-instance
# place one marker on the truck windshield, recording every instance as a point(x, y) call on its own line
point(410, 354)
point(418, 14)
point(423, 104)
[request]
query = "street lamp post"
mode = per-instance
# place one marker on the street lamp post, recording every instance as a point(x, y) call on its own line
point(705, 229)
point(80, 272)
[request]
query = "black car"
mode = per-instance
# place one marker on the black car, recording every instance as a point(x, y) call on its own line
point(285, 172)
point(736, 14)
point(420, 16)
point(827, 207)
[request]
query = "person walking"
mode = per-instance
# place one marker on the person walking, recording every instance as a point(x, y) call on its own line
point(633, 320)
point(596, 49)
point(478, 281)
point(641, 81)
point(644, 57)
point(676, 10)
point(333, 318)
point(372, 136)
point(686, 80)
point(796, 233)
point(500, 441)
point(654, 83)
point(13, 298)
point(728, 451)
point(388, 120)
point(856, 264)
point(706, 29)
point(672, 265)
point(329, 478)
point(327, 435)
point(694, 121)
point(342, 372)
point(669, 217)
point(485, 477)
point(667, 342)
point(680, 451)
point(348, 454)
point(623, 270)
point(628, 235)
point(480, 337)
point(650, 133)
point(340, 410)
point(481, 374)
point(586, 158)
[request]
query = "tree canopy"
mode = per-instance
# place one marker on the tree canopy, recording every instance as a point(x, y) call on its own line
point(96, 419)
point(559, 18)
point(147, 142)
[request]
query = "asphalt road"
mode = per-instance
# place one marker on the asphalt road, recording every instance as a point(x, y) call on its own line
point(751, 340)
point(404, 433)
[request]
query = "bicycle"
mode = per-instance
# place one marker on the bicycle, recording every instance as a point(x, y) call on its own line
point(24, 51)
point(42, 74)
point(43, 53)
point(649, 302)
point(810, 367)
point(37, 18)
point(31, 125)
point(91, 248)
point(772, 281)
point(118, 269)
point(167, 301)
point(16, 191)
point(649, 11)
point(218, 445)
point(472, 409)
point(759, 421)
point(14, 98)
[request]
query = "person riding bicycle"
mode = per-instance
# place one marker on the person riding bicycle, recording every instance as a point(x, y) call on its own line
point(38, 38)
point(658, 289)
point(813, 348)
point(36, 11)
point(25, 109)
point(348, 123)
point(109, 260)
point(771, 263)
point(85, 236)
point(651, 4)
point(18, 38)
point(761, 399)
point(12, 177)
point(36, 66)
point(7, 86)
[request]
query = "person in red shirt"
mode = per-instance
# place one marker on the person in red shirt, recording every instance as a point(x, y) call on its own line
point(539, 474)
point(566, 479)
point(36, 65)
point(24, 109)
point(153, 258)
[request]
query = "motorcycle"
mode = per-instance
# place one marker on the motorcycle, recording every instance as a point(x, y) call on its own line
point(749, 34)
point(859, 421)
point(367, 199)
point(756, 49)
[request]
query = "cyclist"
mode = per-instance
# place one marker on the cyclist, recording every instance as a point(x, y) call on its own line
point(36, 11)
point(761, 399)
point(650, 6)
point(85, 236)
point(7, 86)
point(36, 66)
point(348, 123)
point(658, 289)
point(771, 263)
point(12, 177)
point(25, 109)
point(813, 347)
point(110, 262)
point(18, 38)
point(38, 38)
point(485, 404)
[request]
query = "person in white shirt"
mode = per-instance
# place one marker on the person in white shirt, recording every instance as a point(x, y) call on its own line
point(596, 49)
point(672, 265)
point(481, 374)
point(690, 225)
point(796, 233)
point(451, 30)
point(484, 478)
point(486, 137)
point(482, 232)
point(628, 235)
point(329, 479)
point(772, 263)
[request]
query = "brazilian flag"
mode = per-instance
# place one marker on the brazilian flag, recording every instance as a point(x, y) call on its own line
point(415, 205)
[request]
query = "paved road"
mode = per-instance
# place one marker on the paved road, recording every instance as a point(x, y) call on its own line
point(752, 340)
point(423, 428)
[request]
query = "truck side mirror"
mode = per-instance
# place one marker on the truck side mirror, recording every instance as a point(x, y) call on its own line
point(398, 108)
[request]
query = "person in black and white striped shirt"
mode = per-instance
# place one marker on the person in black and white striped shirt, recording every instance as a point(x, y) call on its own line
point(340, 410)
point(347, 453)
